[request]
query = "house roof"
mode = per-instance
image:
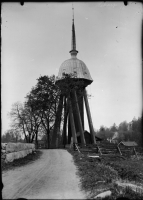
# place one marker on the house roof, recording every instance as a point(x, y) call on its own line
point(97, 138)
point(128, 144)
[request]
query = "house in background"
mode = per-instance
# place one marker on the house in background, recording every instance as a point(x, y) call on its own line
point(115, 138)
point(127, 148)
point(88, 138)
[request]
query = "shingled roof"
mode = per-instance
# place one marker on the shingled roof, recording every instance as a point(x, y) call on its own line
point(74, 65)
point(129, 143)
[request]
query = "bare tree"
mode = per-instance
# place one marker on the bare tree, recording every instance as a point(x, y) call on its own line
point(24, 120)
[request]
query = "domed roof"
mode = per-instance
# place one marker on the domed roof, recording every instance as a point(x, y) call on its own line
point(76, 67)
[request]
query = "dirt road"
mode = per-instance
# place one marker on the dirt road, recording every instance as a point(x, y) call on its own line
point(53, 176)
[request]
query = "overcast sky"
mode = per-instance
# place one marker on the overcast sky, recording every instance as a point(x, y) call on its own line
point(36, 40)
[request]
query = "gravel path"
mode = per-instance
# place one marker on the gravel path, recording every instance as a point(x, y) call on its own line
point(53, 176)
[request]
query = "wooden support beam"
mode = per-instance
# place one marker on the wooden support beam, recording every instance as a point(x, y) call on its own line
point(119, 150)
point(77, 148)
point(69, 130)
point(72, 123)
point(135, 152)
point(99, 150)
point(81, 106)
point(79, 120)
point(64, 134)
point(89, 117)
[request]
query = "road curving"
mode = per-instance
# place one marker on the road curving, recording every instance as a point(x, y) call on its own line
point(53, 176)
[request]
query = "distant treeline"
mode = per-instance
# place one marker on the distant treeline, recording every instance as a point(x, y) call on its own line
point(131, 131)
point(11, 136)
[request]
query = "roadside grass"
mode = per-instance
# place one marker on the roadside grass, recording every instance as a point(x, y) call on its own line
point(128, 169)
point(22, 161)
point(100, 175)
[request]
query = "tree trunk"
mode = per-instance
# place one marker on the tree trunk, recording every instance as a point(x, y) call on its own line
point(26, 139)
point(36, 141)
point(36, 133)
point(57, 123)
point(48, 138)
point(29, 138)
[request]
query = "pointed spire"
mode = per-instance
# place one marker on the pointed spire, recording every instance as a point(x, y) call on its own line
point(73, 51)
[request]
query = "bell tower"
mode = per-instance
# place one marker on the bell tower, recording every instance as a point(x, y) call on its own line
point(73, 104)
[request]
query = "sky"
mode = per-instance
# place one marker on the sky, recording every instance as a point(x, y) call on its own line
point(36, 40)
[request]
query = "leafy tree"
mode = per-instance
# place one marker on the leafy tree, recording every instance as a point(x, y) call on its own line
point(43, 100)
point(131, 131)
point(121, 136)
point(101, 132)
point(102, 128)
point(7, 137)
point(11, 135)
point(113, 128)
point(108, 133)
point(136, 128)
point(39, 111)
point(134, 124)
point(123, 126)
point(105, 132)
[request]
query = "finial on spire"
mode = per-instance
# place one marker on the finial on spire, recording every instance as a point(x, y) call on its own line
point(73, 42)
point(72, 12)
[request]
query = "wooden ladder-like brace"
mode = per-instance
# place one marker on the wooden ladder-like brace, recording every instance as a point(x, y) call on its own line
point(77, 148)
point(135, 152)
point(119, 150)
point(99, 150)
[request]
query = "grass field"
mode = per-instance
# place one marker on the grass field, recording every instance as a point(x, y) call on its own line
point(99, 175)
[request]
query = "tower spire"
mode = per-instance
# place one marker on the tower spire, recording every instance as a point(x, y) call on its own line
point(73, 51)
point(72, 12)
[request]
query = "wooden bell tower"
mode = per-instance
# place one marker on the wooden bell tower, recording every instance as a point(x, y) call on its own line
point(73, 103)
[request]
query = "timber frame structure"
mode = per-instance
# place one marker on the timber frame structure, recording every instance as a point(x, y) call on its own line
point(73, 116)
point(127, 147)
point(73, 103)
